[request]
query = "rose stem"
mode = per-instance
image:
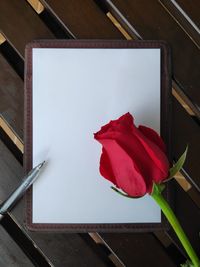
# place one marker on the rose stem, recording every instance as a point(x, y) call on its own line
point(157, 196)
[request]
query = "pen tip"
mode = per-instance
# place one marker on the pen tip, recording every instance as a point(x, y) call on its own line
point(42, 164)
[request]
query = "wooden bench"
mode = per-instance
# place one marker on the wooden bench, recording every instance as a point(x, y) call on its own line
point(176, 22)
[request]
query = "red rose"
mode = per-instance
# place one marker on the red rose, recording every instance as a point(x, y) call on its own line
point(132, 158)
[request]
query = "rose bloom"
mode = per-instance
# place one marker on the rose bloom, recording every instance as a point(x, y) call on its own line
point(132, 158)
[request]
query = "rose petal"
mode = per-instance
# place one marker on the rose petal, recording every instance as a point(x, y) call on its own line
point(157, 156)
point(137, 152)
point(122, 124)
point(126, 119)
point(106, 168)
point(153, 137)
point(134, 156)
point(125, 172)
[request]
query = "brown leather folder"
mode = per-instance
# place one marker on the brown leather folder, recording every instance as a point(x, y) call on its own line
point(67, 84)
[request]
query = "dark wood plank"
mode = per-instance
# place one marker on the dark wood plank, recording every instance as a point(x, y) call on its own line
point(158, 24)
point(62, 249)
point(11, 97)
point(186, 130)
point(138, 249)
point(192, 9)
point(195, 195)
point(180, 16)
point(11, 254)
point(84, 19)
point(67, 250)
point(10, 174)
point(20, 24)
point(24, 242)
point(188, 215)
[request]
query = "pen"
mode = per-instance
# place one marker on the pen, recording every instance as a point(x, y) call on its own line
point(20, 190)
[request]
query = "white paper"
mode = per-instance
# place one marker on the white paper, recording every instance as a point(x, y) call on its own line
point(75, 92)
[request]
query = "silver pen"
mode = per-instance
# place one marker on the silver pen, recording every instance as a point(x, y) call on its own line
point(28, 180)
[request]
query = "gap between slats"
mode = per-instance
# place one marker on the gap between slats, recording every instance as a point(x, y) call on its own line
point(51, 22)
point(183, 20)
point(28, 246)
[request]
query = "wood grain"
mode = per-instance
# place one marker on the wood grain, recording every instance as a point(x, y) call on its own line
point(185, 130)
point(188, 215)
point(11, 254)
point(11, 97)
point(22, 19)
point(131, 249)
point(191, 8)
point(183, 20)
point(84, 19)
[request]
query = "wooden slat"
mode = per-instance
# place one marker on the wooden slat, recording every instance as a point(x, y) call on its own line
point(192, 9)
point(185, 22)
point(84, 19)
point(24, 242)
point(10, 175)
point(2, 39)
point(20, 24)
point(138, 249)
point(189, 216)
point(36, 5)
point(62, 249)
point(11, 134)
point(11, 97)
point(67, 250)
point(10, 253)
point(185, 131)
point(158, 24)
point(194, 195)
point(182, 102)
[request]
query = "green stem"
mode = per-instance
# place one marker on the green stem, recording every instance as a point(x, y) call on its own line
point(176, 226)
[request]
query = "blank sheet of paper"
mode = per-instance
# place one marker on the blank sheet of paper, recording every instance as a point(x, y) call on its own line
point(75, 92)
